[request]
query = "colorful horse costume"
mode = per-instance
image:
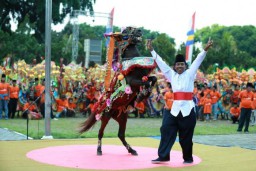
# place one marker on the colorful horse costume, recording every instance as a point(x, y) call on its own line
point(127, 79)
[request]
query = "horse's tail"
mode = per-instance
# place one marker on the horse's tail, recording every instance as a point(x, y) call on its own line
point(88, 123)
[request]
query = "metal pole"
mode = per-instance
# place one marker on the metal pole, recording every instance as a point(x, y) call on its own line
point(48, 21)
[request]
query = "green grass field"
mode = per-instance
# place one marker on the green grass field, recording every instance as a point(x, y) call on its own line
point(67, 128)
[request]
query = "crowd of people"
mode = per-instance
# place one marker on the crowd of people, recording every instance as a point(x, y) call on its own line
point(213, 101)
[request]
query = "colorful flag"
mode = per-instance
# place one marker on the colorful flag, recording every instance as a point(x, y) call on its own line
point(190, 40)
point(109, 27)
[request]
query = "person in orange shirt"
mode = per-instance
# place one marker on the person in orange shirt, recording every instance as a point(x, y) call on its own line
point(235, 94)
point(253, 115)
point(14, 95)
point(42, 101)
point(168, 97)
point(207, 88)
point(140, 106)
point(201, 105)
point(235, 113)
point(62, 106)
point(37, 88)
point(207, 106)
point(4, 96)
point(30, 110)
point(215, 96)
point(71, 108)
point(246, 98)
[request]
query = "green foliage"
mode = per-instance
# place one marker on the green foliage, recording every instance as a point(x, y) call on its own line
point(35, 12)
point(233, 46)
point(165, 47)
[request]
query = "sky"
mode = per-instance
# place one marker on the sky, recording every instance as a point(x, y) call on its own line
point(173, 16)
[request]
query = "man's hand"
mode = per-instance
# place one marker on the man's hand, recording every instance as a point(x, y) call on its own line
point(149, 44)
point(208, 45)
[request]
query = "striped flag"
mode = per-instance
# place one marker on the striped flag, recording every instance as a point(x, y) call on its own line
point(109, 27)
point(190, 40)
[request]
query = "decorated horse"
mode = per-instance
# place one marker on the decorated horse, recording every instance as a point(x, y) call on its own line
point(127, 79)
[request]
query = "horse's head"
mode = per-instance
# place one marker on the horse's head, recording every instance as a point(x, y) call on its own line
point(132, 35)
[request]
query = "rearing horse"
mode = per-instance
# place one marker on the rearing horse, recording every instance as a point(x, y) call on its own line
point(131, 82)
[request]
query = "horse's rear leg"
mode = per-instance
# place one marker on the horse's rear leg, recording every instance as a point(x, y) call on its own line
point(122, 120)
point(104, 122)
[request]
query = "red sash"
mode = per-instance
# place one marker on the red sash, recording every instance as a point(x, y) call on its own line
point(183, 95)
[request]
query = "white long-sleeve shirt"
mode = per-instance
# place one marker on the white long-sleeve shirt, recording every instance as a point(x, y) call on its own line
point(180, 82)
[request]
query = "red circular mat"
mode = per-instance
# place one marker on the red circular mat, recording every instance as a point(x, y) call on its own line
point(113, 157)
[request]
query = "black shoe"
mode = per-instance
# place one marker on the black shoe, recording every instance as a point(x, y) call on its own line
point(247, 132)
point(158, 160)
point(188, 161)
point(239, 130)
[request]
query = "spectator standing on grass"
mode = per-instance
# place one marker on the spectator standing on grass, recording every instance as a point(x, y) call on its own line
point(201, 106)
point(168, 97)
point(4, 96)
point(207, 107)
point(42, 101)
point(215, 96)
point(14, 95)
point(246, 98)
point(235, 94)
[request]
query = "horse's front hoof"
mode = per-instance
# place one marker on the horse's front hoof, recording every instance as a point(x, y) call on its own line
point(99, 153)
point(133, 152)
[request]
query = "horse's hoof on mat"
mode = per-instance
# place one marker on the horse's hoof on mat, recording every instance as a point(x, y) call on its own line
point(134, 153)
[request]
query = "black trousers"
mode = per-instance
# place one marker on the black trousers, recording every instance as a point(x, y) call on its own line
point(244, 119)
point(171, 126)
point(12, 107)
point(42, 110)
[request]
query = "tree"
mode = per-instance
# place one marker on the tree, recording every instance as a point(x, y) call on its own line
point(232, 45)
point(165, 47)
point(34, 10)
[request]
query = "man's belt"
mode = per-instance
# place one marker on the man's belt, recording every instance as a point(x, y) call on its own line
point(183, 95)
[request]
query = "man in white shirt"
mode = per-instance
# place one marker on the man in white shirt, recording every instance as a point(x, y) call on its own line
point(181, 118)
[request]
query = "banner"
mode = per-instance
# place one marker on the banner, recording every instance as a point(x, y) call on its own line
point(190, 40)
point(109, 27)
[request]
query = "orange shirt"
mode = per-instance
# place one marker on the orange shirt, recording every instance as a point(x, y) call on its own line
point(207, 91)
point(246, 99)
point(207, 105)
point(14, 92)
point(61, 104)
point(215, 96)
point(4, 91)
point(42, 99)
point(235, 111)
point(254, 101)
point(201, 101)
point(37, 90)
point(31, 108)
point(168, 97)
point(140, 106)
point(71, 105)
point(43, 94)
point(235, 96)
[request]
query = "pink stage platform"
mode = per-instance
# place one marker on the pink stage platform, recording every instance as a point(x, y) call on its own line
point(113, 158)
